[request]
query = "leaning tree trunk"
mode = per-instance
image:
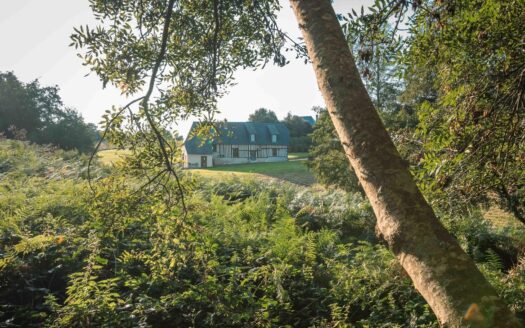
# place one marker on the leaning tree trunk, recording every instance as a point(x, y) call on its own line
point(441, 271)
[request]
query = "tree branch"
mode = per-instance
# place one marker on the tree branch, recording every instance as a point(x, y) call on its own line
point(145, 102)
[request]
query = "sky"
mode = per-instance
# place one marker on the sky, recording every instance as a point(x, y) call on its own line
point(34, 35)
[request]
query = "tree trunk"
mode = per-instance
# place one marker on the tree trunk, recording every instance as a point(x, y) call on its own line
point(441, 271)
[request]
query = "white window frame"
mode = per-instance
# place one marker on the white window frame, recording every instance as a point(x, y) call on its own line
point(274, 138)
point(252, 137)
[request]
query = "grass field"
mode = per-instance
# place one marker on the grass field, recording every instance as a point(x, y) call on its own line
point(292, 171)
point(111, 156)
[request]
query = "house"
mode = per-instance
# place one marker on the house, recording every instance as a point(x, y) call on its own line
point(237, 143)
point(308, 119)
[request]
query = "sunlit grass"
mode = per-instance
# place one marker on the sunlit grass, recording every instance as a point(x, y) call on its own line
point(112, 156)
point(292, 171)
point(501, 218)
point(297, 155)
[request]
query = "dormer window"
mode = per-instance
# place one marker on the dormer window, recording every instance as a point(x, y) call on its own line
point(252, 137)
point(274, 138)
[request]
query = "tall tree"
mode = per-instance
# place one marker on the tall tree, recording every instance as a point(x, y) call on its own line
point(18, 108)
point(377, 59)
point(39, 111)
point(297, 125)
point(263, 115)
point(375, 55)
point(208, 39)
point(441, 271)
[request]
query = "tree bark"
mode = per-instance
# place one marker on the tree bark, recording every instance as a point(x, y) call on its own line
point(441, 271)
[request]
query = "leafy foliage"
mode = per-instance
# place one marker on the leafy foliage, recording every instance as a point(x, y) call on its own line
point(300, 140)
point(473, 132)
point(38, 114)
point(271, 256)
point(249, 253)
point(263, 115)
point(329, 163)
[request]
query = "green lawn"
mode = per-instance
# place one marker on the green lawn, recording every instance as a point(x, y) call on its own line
point(292, 171)
point(297, 155)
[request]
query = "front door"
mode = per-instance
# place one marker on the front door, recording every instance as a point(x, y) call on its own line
point(204, 161)
point(253, 155)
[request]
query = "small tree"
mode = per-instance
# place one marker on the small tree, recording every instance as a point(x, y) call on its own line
point(328, 161)
point(263, 115)
point(300, 130)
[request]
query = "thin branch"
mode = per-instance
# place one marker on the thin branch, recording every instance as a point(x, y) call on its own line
point(145, 102)
point(104, 136)
point(216, 16)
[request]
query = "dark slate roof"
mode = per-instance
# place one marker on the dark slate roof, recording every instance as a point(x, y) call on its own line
point(238, 133)
point(308, 119)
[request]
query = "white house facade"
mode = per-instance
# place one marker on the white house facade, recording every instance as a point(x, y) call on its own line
point(237, 143)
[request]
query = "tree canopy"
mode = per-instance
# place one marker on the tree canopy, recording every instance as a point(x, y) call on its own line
point(472, 132)
point(329, 163)
point(263, 115)
point(38, 114)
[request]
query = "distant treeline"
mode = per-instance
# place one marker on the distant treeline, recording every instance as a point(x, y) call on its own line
point(29, 111)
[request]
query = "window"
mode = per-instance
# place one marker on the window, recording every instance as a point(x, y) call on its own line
point(235, 152)
point(252, 137)
point(274, 138)
point(214, 148)
point(274, 152)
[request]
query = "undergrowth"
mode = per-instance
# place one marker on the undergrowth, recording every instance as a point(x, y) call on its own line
point(249, 253)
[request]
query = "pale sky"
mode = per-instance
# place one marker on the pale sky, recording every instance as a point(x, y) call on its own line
point(34, 35)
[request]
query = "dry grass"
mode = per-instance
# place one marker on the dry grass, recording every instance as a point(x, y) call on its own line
point(501, 218)
point(112, 156)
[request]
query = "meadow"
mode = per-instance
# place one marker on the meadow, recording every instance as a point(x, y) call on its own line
point(291, 171)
